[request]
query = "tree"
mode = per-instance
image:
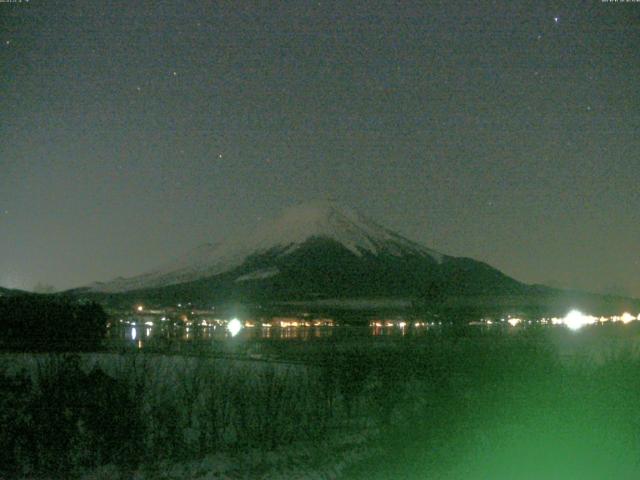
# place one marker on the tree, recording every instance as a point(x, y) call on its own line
point(43, 322)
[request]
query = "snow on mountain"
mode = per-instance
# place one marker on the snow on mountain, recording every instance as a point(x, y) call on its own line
point(354, 231)
point(258, 274)
point(326, 220)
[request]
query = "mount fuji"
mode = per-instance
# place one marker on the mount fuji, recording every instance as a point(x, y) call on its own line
point(313, 251)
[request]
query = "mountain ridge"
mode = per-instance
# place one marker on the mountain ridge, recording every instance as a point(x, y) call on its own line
point(293, 228)
point(322, 254)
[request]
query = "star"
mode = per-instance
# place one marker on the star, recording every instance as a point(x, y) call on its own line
point(138, 88)
point(556, 19)
point(175, 74)
point(219, 155)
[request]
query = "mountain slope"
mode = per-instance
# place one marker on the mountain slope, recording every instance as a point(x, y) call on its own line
point(6, 292)
point(354, 232)
point(314, 251)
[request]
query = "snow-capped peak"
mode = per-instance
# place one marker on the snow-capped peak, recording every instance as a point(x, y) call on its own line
point(326, 219)
point(333, 221)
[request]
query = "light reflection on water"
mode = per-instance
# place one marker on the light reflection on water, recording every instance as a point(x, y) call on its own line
point(172, 334)
point(127, 332)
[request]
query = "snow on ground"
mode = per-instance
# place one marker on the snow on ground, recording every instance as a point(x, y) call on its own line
point(164, 368)
point(319, 459)
point(325, 461)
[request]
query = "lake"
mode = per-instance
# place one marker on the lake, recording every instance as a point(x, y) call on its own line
point(278, 337)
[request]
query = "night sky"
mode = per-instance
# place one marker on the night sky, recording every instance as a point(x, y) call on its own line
point(504, 131)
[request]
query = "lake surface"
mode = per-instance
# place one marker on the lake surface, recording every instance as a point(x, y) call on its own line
point(159, 330)
point(597, 342)
point(142, 335)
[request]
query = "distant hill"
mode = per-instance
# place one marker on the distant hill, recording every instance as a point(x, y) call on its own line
point(6, 292)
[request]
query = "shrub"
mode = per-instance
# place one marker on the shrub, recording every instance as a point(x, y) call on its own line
point(47, 323)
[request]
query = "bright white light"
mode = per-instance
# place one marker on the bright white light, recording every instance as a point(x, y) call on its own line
point(514, 321)
point(575, 320)
point(627, 317)
point(134, 333)
point(140, 308)
point(234, 326)
point(402, 324)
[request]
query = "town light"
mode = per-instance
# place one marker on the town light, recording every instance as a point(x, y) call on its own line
point(514, 321)
point(627, 317)
point(234, 326)
point(575, 320)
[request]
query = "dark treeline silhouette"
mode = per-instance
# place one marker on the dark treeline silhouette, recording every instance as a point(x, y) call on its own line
point(48, 323)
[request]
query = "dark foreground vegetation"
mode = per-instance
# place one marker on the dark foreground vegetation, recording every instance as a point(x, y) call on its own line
point(459, 405)
point(514, 409)
point(50, 323)
point(62, 419)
